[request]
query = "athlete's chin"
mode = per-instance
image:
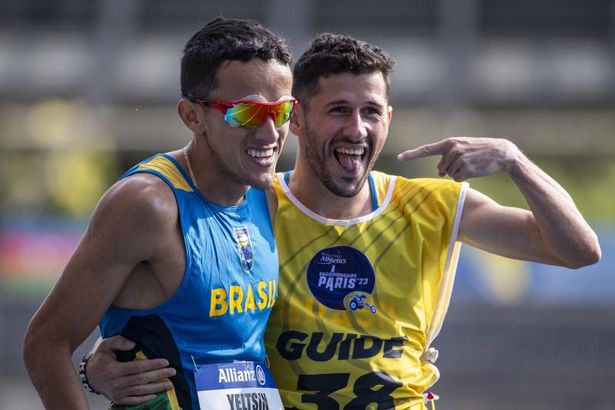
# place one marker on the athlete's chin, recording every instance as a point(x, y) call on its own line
point(346, 190)
point(262, 181)
point(349, 182)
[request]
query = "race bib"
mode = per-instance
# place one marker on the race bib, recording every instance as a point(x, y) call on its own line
point(236, 386)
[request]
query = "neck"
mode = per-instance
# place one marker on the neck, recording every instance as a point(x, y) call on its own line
point(212, 186)
point(308, 189)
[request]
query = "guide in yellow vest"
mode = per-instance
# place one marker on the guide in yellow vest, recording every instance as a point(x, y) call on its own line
point(367, 260)
point(363, 298)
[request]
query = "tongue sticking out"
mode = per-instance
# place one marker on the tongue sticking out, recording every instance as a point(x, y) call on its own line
point(349, 162)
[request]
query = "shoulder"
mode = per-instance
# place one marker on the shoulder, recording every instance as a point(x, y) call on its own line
point(433, 196)
point(139, 202)
point(435, 183)
point(437, 186)
point(165, 166)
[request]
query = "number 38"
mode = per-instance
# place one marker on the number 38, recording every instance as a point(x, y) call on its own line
point(375, 387)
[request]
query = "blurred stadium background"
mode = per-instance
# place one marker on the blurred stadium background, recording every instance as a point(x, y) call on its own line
point(89, 88)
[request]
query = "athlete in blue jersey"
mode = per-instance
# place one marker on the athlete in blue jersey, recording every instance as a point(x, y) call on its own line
point(179, 254)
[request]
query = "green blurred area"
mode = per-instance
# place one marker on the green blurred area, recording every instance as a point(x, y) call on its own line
point(588, 180)
point(64, 183)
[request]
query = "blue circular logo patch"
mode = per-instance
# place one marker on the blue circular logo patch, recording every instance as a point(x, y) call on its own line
point(342, 278)
point(260, 375)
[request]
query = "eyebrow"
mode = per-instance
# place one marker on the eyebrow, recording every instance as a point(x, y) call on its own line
point(342, 101)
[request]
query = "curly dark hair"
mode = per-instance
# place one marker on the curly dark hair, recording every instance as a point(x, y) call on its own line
point(334, 54)
point(226, 39)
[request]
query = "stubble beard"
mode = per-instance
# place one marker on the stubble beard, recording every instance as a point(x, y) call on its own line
point(317, 161)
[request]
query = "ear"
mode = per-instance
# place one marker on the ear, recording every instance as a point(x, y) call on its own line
point(390, 113)
point(297, 121)
point(191, 115)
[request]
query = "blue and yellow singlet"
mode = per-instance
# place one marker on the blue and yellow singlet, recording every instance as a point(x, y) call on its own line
point(219, 312)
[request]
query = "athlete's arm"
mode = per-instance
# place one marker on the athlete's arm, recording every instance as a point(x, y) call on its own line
point(128, 227)
point(553, 231)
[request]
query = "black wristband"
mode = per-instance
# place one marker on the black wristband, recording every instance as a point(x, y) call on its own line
point(82, 375)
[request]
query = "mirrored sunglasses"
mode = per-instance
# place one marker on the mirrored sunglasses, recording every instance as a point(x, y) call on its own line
point(252, 114)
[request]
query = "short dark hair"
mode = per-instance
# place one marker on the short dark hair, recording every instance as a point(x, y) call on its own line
point(334, 54)
point(223, 40)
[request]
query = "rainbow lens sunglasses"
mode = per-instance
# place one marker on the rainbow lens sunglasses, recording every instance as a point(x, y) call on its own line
point(252, 114)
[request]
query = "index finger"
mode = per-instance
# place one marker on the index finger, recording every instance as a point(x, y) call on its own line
point(427, 150)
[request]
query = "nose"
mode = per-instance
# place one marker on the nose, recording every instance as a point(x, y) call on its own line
point(355, 128)
point(267, 132)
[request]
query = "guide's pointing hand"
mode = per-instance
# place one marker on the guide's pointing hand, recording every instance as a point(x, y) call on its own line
point(467, 157)
point(427, 150)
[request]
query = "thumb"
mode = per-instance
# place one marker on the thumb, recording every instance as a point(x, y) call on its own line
point(117, 342)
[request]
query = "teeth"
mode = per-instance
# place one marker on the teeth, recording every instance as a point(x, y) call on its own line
point(350, 151)
point(260, 153)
